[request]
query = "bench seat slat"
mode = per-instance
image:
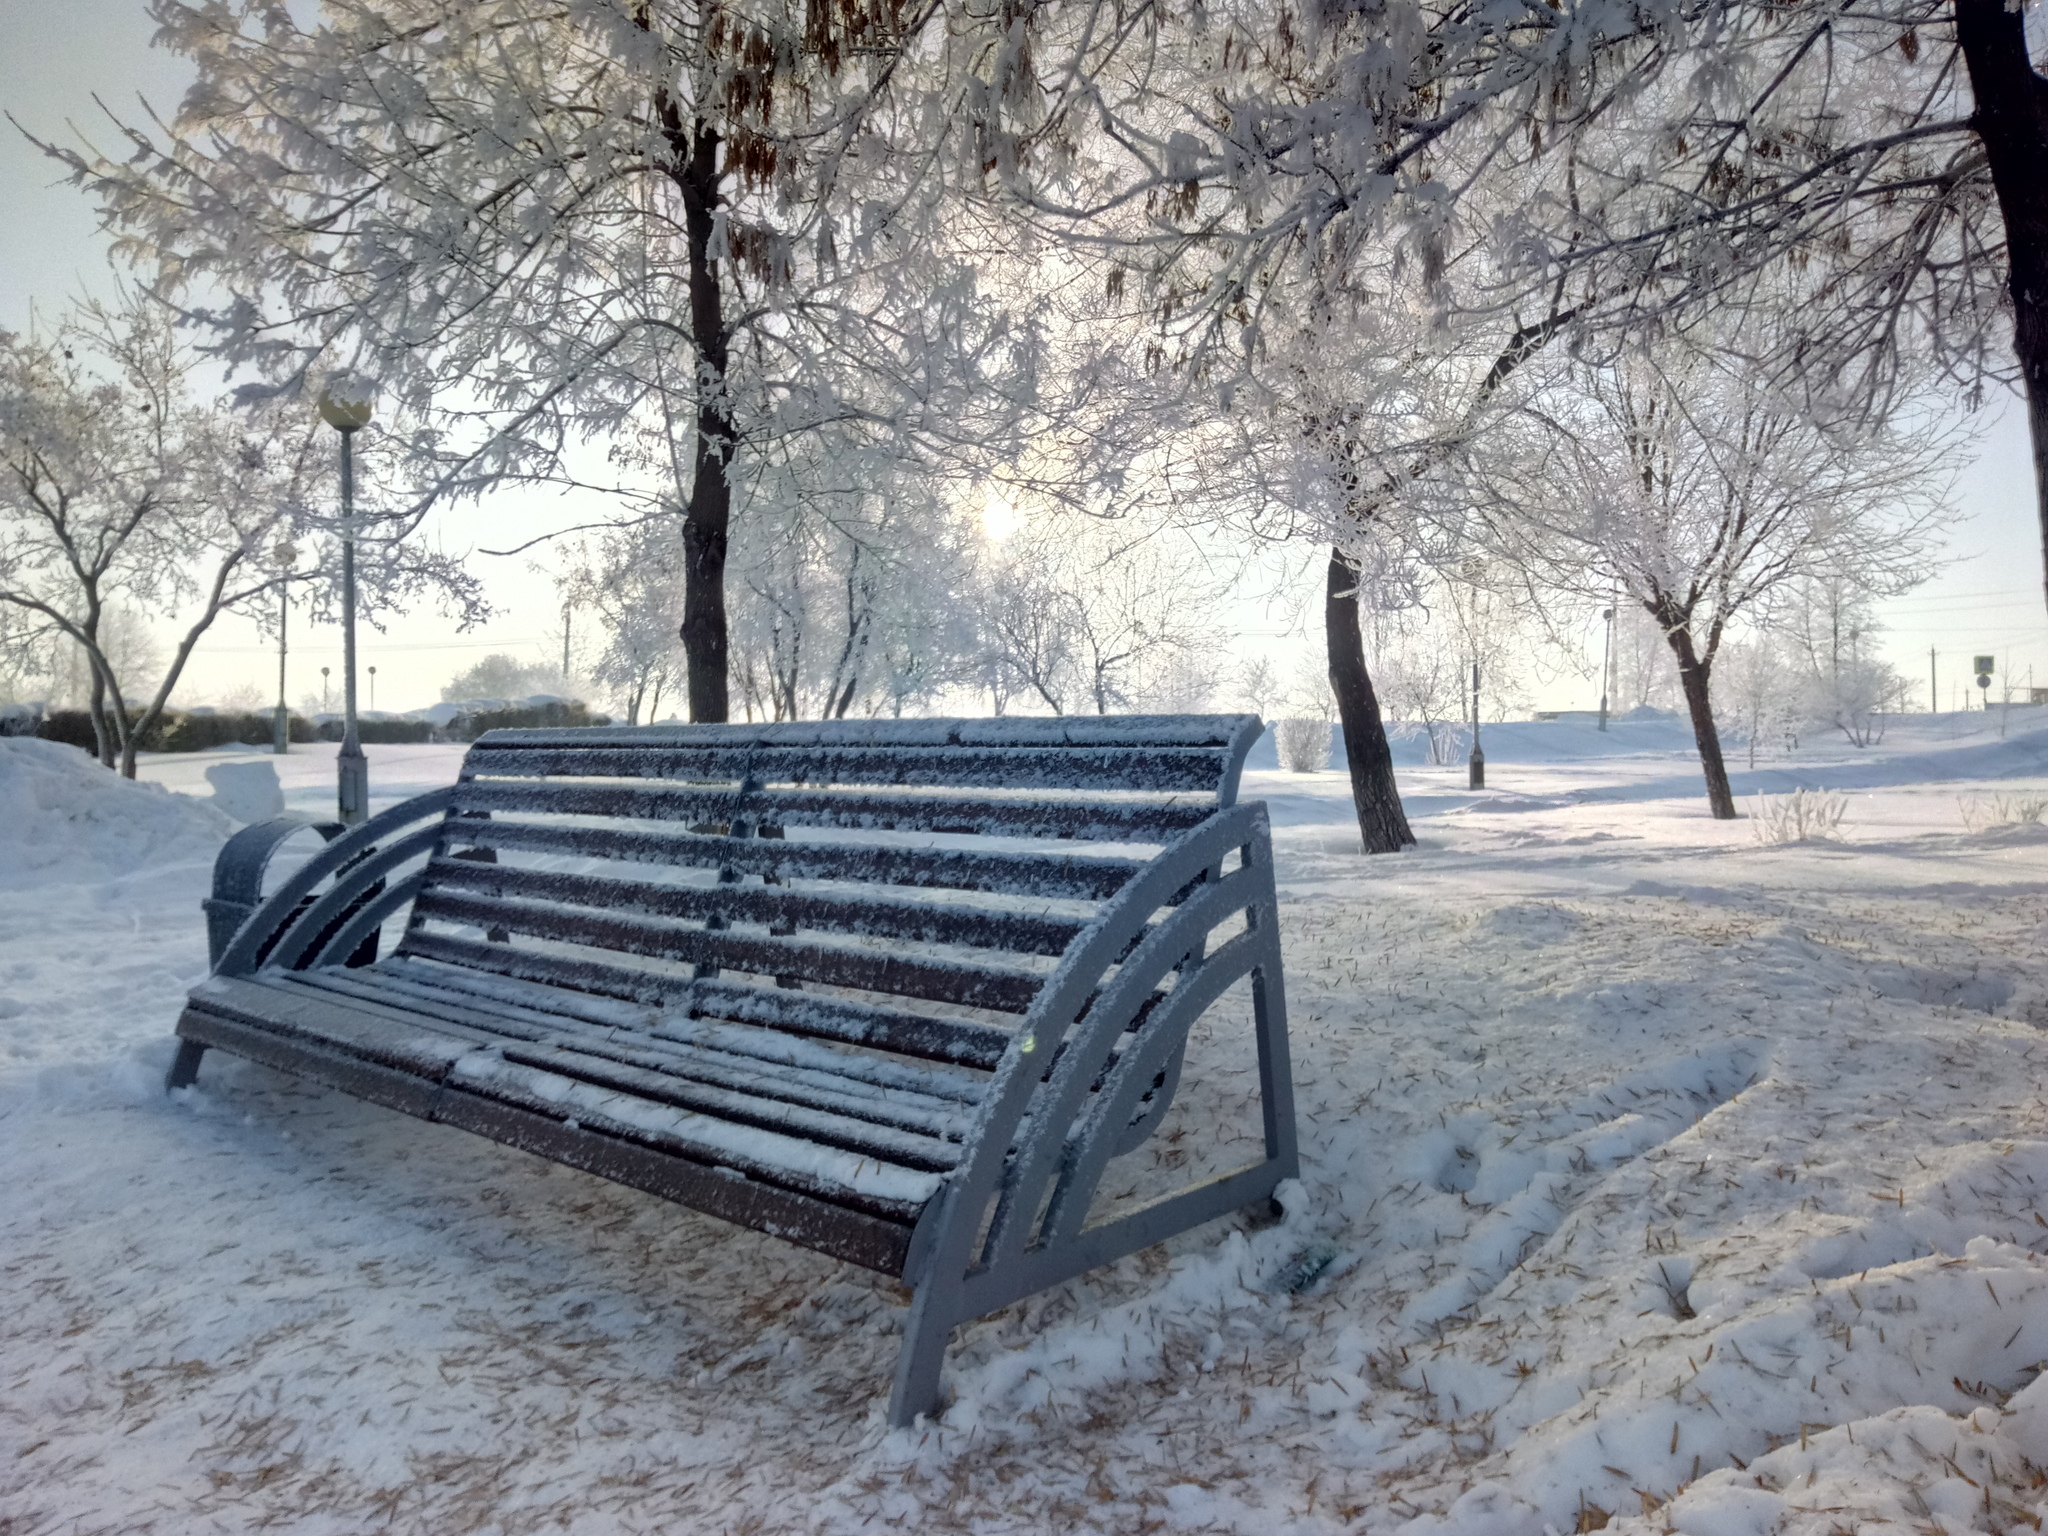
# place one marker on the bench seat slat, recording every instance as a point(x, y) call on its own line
point(904, 1149)
point(864, 970)
point(414, 1046)
point(919, 922)
point(848, 1178)
point(861, 1237)
point(1154, 769)
point(960, 1041)
point(1111, 821)
point(865, 1179)
point(753, 1043)
point(1060, 875)
point(839, 1093)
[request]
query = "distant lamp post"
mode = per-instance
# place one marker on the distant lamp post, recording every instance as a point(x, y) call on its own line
point(286, 555)
point(1606, 663)
point(373, 689)
point(1476, 763)
point(352, 769)
point(323, 690)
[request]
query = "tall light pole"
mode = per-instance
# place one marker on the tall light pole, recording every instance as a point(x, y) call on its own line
point(286, 556)
point(373, 690)
point(1475, 765)
point(352, 769)
point(1606, 663)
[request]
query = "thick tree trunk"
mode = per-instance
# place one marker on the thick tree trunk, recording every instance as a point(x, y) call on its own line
point(708, 519)
point(1694, 676)
point(102, 728)
point(2012, 122)
point(1382, 824)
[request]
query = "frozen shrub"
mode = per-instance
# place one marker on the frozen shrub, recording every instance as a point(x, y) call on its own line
point(1303, 745)
point(2003, 810)
point(1805, 815)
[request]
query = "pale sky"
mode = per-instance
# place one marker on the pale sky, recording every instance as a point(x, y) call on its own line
point(57, 57)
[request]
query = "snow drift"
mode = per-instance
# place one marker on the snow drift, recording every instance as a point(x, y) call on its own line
point(65, 818)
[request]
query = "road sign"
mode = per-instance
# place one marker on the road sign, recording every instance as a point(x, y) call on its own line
point(1984, 664)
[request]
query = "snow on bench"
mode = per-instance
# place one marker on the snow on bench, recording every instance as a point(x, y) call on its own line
point(897, 991)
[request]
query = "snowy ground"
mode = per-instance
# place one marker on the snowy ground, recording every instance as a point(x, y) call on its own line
point(1652, 1173)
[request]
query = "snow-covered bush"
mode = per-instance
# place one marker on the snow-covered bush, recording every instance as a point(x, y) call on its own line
point(2003, 810)
point(1805, 815)
point(1303, 745)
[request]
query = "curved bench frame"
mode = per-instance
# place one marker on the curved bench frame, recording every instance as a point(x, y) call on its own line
point(1010, 1219)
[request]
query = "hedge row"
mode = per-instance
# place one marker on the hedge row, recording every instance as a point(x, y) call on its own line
point(385, 732)
point(522, 718)
point(177, 732)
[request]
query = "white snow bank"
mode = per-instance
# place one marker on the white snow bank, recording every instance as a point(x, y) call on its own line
point(65, 818)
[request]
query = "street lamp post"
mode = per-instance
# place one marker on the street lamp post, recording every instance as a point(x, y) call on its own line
point(352, 769)
point(281, 730)
point(1606, 663)
point(1476, 764)
point(373, 690)
point(323, 689)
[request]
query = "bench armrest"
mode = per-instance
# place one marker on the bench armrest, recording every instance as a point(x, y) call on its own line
point(1021, 1148)
point(244, 928)
point(238, 871)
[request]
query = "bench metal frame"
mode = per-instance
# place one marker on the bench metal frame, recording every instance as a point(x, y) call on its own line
point(1087, 1072)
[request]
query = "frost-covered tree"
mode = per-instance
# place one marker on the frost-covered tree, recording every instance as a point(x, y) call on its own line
point(627, 580)
point(1632, 166)
point(1684, 478)
point(853, 591)
point(1829, 627)
point(1423, 683)
point(541, 222)
point(1758, 692)
point(501, 675)
point(1081, 616)
point(122, 494)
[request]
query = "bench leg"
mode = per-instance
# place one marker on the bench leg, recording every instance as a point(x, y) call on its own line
point(184, 1066)
point(926, 1333)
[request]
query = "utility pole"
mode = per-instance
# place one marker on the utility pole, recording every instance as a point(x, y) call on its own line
point(1933, 685)
point(1476, 764)
point(566, 610)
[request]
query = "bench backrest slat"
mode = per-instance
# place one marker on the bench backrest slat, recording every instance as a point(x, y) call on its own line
point(1059, 875)
point(958, 1041)
point(865, 970)
point(921, 922)
point(1144, 769)
point(899, 866)
point(1135, 821)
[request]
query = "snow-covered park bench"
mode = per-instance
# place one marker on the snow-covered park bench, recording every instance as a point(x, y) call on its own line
point(897, 991)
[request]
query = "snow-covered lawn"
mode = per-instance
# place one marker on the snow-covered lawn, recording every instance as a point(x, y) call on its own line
point(1639, 1157)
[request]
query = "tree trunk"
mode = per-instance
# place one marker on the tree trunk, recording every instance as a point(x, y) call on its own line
point(1694, 675)
point(2012, 123)
point(1382, 824)
point(708, 519)
point(102, 730)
